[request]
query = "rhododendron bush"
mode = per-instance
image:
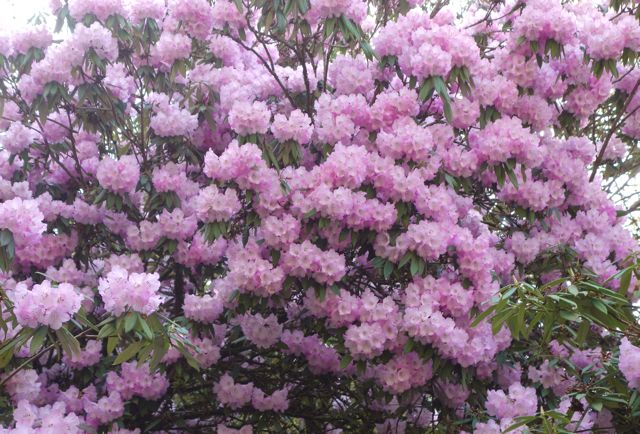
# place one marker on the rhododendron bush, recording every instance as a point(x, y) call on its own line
point(318, 216)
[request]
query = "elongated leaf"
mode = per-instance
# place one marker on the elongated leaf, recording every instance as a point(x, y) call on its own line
point(388, 269)
point(38, 339)
point(146, 330)
point(112, 342)
point(414, 266)
point(483, 315)
point(130, 321)
point(69, 343)
point(512, 176)
point(346, 359)
point(625, 281)
point(350, 27)
point(128, 352)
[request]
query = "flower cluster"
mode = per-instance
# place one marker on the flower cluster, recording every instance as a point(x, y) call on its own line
point(135, 380)
point(122, 290)
point(45, 304)
point(629, 356)
point(221, 208)
point(261, 331)
point(520, 401)
point(212, 205)
point(119, 176)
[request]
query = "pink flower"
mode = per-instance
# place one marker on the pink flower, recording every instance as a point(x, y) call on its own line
point(119, 176)
point(249, 118)
point(121, 290)
point(261, 331)
point(170, 120)
point(135, 380)
point(169, 48)
point(630, 363)
point(204, 309)
point(296, 127)
point(521, 401)
point(231, 393)
point(197, 17)
point(45, 304)
point(212, 205)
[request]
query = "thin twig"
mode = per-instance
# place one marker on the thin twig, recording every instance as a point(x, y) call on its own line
point(613, 129)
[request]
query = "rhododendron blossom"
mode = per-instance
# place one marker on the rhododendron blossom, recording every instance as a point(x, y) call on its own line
point(45, 304)
point(331, 216)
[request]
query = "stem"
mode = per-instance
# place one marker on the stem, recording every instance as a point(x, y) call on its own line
point(178, 291)
point(35, 356)
point(613, 129)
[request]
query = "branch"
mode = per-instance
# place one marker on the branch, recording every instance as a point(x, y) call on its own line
point(35, 356)
point(613, 129)
point(631, 209)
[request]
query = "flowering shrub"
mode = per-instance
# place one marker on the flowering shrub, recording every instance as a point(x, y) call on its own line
point(318, 216)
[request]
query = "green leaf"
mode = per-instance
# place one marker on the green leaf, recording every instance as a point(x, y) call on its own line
point(106, 330)
point(146, 330)
point(509, 292)
point(303, 6)
point(130, 321)
point(499, 174)
point(128, 352)
point(441, 87)
point(499, 319)
point(451, 180)
point(38, 339)
point(596, 405)
point(160, 348)
point(569, 316)
point(598, 68)
point(388, 269)
point(512, 176)
point(144, 353)
point(483, 315)
point(112, 342)
point(448, 113)
point(7, 250)
point(350, 27)
point(6, 237)
point(346, 359)
point(321, 293)
point(281, 20)
point(310, 214)
point(625, 281)
point(6, 355)
point(403, 7)
point(521, 422)
point(573, 290)
point(613, 69)
point(191, 361)
point(69, 343)
point(414, 265)
point(598, 304)
point(405, 259)
point(583, 330)
point(426, 91)
point(329, 25)
point(409, 346)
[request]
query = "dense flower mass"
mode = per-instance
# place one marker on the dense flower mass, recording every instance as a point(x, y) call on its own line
point(629, 366)
point(45, 304)
point(138, 291)
point(211, 211)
